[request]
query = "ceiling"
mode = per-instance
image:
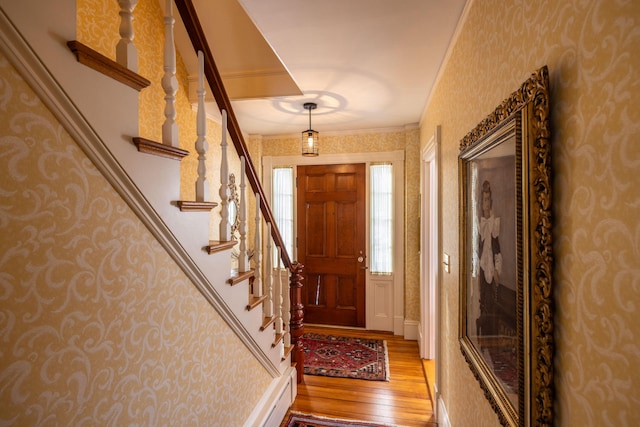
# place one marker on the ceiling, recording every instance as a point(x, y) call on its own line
point(368, 64)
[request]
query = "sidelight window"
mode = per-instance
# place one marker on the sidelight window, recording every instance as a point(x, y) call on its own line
point(381, 187)
point(283, 207)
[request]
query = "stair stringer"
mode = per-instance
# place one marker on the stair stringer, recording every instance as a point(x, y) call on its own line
point(102, 117)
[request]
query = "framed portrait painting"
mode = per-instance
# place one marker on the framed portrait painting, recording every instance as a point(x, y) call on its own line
point(506, 316)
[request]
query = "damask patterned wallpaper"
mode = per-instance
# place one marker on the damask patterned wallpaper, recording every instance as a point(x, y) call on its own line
point(99, 325)
point(591, 49)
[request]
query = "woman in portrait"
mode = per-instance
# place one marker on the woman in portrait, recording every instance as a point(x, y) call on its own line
point(490, 263)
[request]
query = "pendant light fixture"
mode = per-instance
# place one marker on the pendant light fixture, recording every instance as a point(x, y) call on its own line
point(310, 136)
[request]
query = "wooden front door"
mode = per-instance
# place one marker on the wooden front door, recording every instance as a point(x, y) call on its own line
point(331, 243)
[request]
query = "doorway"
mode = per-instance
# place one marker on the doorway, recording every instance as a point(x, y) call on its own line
point(384, 295)
point(332, 242)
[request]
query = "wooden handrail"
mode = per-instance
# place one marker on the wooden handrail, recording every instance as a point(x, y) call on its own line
point(198, 40)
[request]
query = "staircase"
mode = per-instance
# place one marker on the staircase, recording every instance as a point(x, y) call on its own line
point(262, 304)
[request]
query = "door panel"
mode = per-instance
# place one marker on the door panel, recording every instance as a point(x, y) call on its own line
point(347, 299)
point(346, 228)
point(316, 229)
point(331, 243)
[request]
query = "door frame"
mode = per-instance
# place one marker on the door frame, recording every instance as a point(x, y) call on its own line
point(397, 158)
point(429, 242)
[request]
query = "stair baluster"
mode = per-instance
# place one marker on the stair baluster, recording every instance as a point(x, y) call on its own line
point(257, 253)
point(202, 186)
point(126, 52)
point(268, 276)
point(278, 292)
point(169, 81)
point(225, 225)
point(243, 264)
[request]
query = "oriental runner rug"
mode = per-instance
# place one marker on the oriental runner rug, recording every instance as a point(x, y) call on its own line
point(345, 357)
point(303, 420)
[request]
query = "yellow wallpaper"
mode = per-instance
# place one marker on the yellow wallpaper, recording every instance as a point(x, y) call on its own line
point(591, 49)
point(99, 326)
point(377, 141)
point(357, 142)
point(412, 226)
point(101, 34)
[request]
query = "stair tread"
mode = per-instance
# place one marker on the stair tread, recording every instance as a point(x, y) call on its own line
point(255, 301)
point(267, 321)
point(287, 352)
point(217, 246)
point(194, 206)
point(152, 147)
point(279, 337)
point(93, 59)
point(237, 277)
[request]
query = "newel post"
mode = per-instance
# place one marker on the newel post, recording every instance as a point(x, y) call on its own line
point(297, 317)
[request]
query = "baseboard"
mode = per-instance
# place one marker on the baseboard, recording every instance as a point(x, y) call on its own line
point(411, 330)
point(443, 417)
point(272, 407)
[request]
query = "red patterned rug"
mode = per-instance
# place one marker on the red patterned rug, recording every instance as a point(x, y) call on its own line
point(345, 357)
point(302, 420)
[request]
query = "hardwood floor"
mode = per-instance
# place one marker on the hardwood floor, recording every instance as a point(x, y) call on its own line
point(404, 400)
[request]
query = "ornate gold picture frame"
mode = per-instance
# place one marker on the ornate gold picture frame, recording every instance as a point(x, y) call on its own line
point(506, 307)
